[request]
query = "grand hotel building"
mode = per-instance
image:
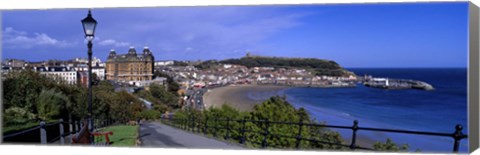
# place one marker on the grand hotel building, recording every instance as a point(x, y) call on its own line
point(130, 67)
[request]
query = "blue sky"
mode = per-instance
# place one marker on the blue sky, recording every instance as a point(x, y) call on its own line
point(354, 35)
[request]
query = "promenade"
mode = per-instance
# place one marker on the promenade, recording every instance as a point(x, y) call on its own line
point(155, 134)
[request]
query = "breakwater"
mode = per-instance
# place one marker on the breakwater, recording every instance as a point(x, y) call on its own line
point(388, 83)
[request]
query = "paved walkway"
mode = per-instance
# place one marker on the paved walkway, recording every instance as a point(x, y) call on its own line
point(155, 134)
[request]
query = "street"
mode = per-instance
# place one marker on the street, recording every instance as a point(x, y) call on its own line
point(155, 134)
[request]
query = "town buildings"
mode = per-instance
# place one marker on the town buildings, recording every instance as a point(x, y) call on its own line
point(97, 70)
point(130, 68)
point(65, 74)
point(14, 63)
point(164, 63)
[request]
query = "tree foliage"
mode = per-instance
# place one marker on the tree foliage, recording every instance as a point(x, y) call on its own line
point(389, 145)
point(159, 92)
point(50, 103)
point(275, 109)
point(172, 86)
point(30, 97)
point(150, 114)
point(318, 66)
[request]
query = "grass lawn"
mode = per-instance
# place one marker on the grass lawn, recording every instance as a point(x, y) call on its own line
point(123, 135)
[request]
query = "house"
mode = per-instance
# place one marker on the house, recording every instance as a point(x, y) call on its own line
point(65, 74)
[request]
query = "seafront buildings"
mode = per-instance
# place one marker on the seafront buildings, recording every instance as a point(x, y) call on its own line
point(138, 70)
point(230, 74)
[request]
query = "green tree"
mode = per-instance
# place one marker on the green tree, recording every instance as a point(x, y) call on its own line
point(318, 66)
point(159, 92)
point(150, 114)
point(17, 116)
point(50, 103)
point(275, 109)
point(389, 145)
point(172, 86)
point(21, 89)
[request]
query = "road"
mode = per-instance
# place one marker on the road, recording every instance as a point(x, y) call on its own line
point(154, 134)
point(196, 98)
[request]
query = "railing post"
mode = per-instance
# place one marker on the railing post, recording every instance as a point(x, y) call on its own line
point(354, 134)
point(181, 123)
point(187, 123)
point(184, 123)
point(227, 136)
point(242, 140)
point(215, 127)
point(265, 134)
point(70, 129)
point(193, 124)
point(76, 126)
point(177, 123)
point(198, 125)
point(43, 133)
point(62, 138)
point(205, 128)
point(173, 121)
point(299, 134)
point(457, 136)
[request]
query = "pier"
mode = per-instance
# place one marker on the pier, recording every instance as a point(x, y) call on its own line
point(387, 83)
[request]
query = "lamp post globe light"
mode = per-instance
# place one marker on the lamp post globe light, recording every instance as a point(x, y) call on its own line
point(89, 24)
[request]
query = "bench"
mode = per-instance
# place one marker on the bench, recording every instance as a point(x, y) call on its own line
point(83, 137)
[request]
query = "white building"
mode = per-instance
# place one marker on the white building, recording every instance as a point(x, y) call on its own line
point(67, 74)
point(158, 80)
point(227, 66)
point(99, 71)
point(163, 63)
point(95, 60)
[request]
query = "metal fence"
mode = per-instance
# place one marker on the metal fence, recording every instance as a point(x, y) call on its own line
point(208, 124)
point(52, 132)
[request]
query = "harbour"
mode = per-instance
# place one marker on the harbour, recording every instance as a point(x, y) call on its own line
point(389, 83)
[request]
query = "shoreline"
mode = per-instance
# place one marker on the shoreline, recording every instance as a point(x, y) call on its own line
point(244, 97)
point(240, 98)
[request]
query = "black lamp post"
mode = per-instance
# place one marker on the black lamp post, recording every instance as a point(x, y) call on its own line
point(89, 25)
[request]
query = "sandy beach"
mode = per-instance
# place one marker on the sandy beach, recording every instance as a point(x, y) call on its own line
point(244, 97)
point(241, 97)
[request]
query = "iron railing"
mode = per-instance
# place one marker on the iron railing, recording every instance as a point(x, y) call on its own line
point(46, 133)
point(215, 124)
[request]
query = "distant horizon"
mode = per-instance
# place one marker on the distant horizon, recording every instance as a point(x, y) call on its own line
point(427, 35)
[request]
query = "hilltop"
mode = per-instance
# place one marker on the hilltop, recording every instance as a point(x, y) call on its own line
point(317, 66)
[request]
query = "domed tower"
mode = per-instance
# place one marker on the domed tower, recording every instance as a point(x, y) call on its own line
point(132, 51)
point(147, 54)
point(112, 54)
point(111, 70)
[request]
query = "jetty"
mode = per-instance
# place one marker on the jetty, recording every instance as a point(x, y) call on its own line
point(388, 83)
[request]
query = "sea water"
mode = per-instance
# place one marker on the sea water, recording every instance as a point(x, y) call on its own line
point(418, 110)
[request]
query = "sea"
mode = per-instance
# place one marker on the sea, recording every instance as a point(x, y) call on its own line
point(439, 110)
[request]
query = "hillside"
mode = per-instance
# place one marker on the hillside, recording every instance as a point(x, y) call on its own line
point(317, 66)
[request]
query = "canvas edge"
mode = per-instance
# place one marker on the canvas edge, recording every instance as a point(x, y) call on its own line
point(473, 78)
